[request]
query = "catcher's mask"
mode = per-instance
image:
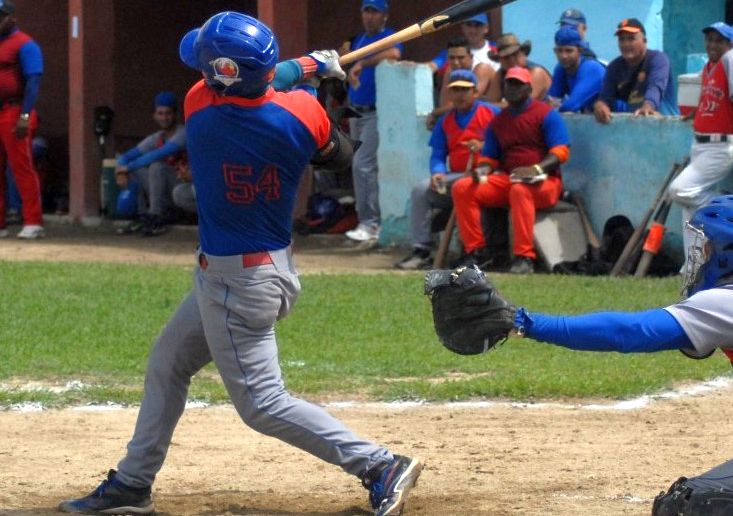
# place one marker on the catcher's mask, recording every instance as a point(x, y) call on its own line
point(710, 255)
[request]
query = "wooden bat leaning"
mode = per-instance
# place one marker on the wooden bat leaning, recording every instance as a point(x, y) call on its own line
point(454, 14)
point(595, 244)
point(653, 240)
point(619, 268)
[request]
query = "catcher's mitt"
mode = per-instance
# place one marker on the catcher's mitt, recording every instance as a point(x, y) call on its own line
point(469, 314)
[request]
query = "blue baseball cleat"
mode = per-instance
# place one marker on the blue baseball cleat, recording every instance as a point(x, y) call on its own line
point(112, 497)
point(388, 491)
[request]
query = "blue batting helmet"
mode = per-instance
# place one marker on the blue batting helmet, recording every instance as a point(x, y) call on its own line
point(236, 53)
point(710, 257)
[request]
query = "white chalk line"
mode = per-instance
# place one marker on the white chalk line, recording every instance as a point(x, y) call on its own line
point(640, 402)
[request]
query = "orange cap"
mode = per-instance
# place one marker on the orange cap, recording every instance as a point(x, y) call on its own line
point(519, 73)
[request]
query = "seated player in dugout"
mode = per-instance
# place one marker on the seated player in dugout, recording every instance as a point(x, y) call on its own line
point(460, 58)
point(152, 165)
point(519, 167)
point(455, 142)
point(510, 53)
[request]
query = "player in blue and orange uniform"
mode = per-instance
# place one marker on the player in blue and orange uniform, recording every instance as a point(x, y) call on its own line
point(457, 135)
point(247, 146)
point(21, 67)
point(519, 167)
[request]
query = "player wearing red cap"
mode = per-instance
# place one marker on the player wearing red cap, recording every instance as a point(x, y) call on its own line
point(519, 168)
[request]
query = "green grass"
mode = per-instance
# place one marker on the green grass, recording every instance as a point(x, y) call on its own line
point(348, 336)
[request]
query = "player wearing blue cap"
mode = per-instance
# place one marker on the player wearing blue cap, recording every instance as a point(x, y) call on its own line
point(711, 156)
point(457, 136)
point(247, 146)
point(151, 165)
point(576, 19)
point(363, 99)
point(576, 80)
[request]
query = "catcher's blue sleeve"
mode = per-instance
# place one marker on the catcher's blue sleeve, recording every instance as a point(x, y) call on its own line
point(637, 332)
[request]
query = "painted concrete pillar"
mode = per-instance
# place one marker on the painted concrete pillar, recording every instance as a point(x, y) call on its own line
point(91, 80)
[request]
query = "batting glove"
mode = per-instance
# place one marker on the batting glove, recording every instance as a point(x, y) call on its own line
point(328, 64)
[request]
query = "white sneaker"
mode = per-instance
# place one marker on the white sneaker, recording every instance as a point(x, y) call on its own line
point(363, 233)
point(31, 232)
point(4, 233)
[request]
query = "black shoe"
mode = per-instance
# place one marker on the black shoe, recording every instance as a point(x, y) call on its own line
point(417, 260)
point(112, 497)
point(522, 265)
point(389, 487)
point(481, 258)
point(154, 227)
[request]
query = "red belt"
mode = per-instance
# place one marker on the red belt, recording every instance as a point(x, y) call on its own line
point(248, 260)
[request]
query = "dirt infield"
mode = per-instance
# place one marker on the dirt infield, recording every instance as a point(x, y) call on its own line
point(496, 460)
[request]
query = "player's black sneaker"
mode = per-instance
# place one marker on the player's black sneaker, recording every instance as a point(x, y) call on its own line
point(112, 497)
point(389, 487)
point(154, 228)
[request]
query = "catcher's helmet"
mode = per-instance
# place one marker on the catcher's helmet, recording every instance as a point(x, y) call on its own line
point(710, 256)
point(236, 53)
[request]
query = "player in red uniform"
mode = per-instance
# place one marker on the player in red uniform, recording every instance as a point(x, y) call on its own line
point(520, 168)
point(711, 157)
point(21, 67)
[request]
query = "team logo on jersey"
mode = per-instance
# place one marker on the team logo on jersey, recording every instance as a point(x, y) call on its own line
point(226, 71)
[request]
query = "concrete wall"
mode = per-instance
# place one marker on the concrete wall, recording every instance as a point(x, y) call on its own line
point(617, 167)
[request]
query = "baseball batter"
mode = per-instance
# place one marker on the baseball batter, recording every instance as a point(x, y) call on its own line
point(711, 157)
point(247, 146)
point(470, 316)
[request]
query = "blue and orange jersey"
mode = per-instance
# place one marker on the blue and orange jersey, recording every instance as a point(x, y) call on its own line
point(454, 128)
point(523, 138)
point(247, 157)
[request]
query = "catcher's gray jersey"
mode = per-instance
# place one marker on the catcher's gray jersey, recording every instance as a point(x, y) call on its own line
point(707, 318)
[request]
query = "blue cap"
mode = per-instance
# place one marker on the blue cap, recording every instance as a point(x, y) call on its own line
point(725, 30)
point(479, 18)
point(568, 36)
point(379, 5)
point(166, 99)
point(462, 79)
point(571, 17)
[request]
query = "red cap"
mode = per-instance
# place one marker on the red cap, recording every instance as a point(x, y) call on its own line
point(519, 73)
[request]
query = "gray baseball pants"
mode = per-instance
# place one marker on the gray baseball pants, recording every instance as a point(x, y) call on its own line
point(364, 168)
point(422, 201)
point(229, 317)
point(156, 184)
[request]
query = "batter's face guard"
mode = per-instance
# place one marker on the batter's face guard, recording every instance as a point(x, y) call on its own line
point(236, 53)
point(710, 256)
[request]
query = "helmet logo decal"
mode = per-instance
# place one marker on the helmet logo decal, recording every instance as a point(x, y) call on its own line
point(226, 71)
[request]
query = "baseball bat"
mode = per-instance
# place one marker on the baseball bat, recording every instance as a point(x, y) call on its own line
point(619, 268)
point(442, 252)
point(453, 14)
point(595, 244)
point(653, 240)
